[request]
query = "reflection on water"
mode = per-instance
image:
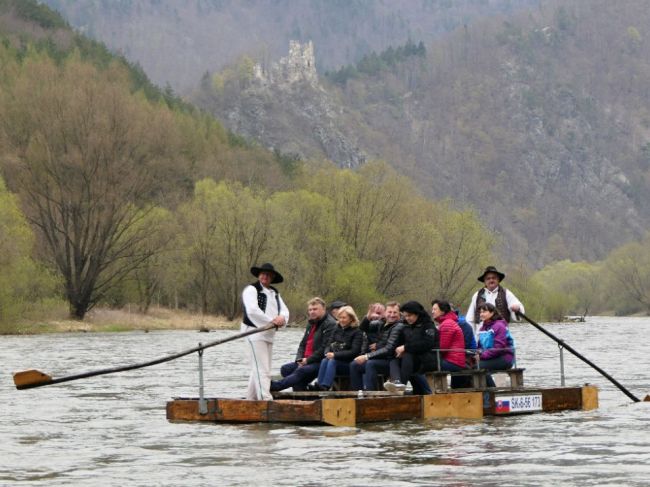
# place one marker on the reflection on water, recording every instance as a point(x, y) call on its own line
point(111, 430)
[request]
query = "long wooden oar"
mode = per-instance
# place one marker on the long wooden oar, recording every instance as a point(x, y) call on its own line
point(581, 357)
point(28, 379)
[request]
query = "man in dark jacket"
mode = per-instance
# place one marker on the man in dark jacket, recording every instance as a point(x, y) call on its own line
point(304, 369)
point(365, 368)
point(416, 354)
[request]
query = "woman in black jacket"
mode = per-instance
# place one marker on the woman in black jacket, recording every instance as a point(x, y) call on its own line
point(345, 345)
point(416, 355)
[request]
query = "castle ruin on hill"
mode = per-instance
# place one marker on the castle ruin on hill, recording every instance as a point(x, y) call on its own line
point(299, 65)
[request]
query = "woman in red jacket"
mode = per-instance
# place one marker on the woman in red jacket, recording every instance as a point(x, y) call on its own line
point(452, 340)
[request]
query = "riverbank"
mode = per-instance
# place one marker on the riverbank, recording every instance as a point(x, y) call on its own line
point(114, 320)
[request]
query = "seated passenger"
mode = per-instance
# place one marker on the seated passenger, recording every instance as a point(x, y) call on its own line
point(344, 346)
point(470, 351)
point(495, 345)
point(452, 340)
point(371, 325)
point(416, 355)
point(335, 306)
point(470, 339)
point(365, 368)
point(304, 369)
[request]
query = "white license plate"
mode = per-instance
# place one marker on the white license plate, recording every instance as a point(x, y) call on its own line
point(517, 404)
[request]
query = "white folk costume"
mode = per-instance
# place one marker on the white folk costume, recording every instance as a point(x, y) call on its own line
point(503, 299)
point(261, 305)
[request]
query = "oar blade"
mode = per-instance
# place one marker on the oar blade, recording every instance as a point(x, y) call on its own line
point(30, 378)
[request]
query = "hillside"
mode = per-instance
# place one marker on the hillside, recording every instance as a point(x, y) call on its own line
point(540, 122)
point(114, 192)
point(176, 42)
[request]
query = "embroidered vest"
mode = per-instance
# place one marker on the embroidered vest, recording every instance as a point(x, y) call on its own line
point(501, 304)
point(261, 302)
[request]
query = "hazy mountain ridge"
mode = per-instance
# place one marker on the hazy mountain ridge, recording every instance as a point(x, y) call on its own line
point(176, 42)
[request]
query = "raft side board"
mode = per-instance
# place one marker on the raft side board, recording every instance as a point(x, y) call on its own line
point(468, 405)
point(348, 411)
point(561, 399)
point(294, 411)
point(589, 398)
point(339, 412)
point(219, 410)
point(553, 399)
point(371, 409)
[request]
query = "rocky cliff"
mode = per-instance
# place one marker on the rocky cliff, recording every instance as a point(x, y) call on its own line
point(285, 107)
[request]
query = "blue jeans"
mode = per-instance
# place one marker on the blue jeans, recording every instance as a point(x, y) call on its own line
point(330, 369)
point(420, 384)
point(364, 377)
point(496, 363)
point(295, 376)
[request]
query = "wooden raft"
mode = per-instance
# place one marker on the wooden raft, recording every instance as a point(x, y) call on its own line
point(346, 409)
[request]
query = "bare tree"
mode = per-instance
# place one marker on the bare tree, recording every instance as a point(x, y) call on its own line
point(85, 147)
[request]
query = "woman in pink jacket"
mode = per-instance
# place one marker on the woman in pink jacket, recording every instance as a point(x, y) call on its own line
point(452, 340)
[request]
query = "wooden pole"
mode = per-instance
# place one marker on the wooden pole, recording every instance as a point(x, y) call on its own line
point(581, 357)
point(28, 379)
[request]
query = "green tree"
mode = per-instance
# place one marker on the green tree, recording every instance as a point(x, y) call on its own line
point(368, 206)
point(22, 280)
point(629, 267)
point(149, 276)
point(305, 241)
point(460, 245)
point(226, 231)
point(520, 281)
point(245, 71)
point(574, 286)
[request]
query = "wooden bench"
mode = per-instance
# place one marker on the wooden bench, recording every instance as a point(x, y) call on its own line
point(342, 382)
point(438, 381)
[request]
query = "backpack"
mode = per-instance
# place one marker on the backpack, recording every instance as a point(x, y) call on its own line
point(486, 339)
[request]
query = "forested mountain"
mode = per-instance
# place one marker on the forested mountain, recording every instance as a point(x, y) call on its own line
point(540, 121)
point(113, 191)
point(177, 41)
point(531, 111)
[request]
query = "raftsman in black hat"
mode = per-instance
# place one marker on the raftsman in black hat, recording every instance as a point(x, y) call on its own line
point(277, 277)
point(494, 270)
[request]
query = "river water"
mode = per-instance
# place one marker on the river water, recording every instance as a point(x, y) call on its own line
point(111, 430)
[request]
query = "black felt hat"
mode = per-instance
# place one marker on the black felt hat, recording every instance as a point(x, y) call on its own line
point(494, 270)
point(277, 277)
point(412, 307)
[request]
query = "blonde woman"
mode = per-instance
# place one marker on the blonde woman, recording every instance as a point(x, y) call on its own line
point(345, 344)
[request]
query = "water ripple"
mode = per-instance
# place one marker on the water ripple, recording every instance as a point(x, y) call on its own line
point(112, 430)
